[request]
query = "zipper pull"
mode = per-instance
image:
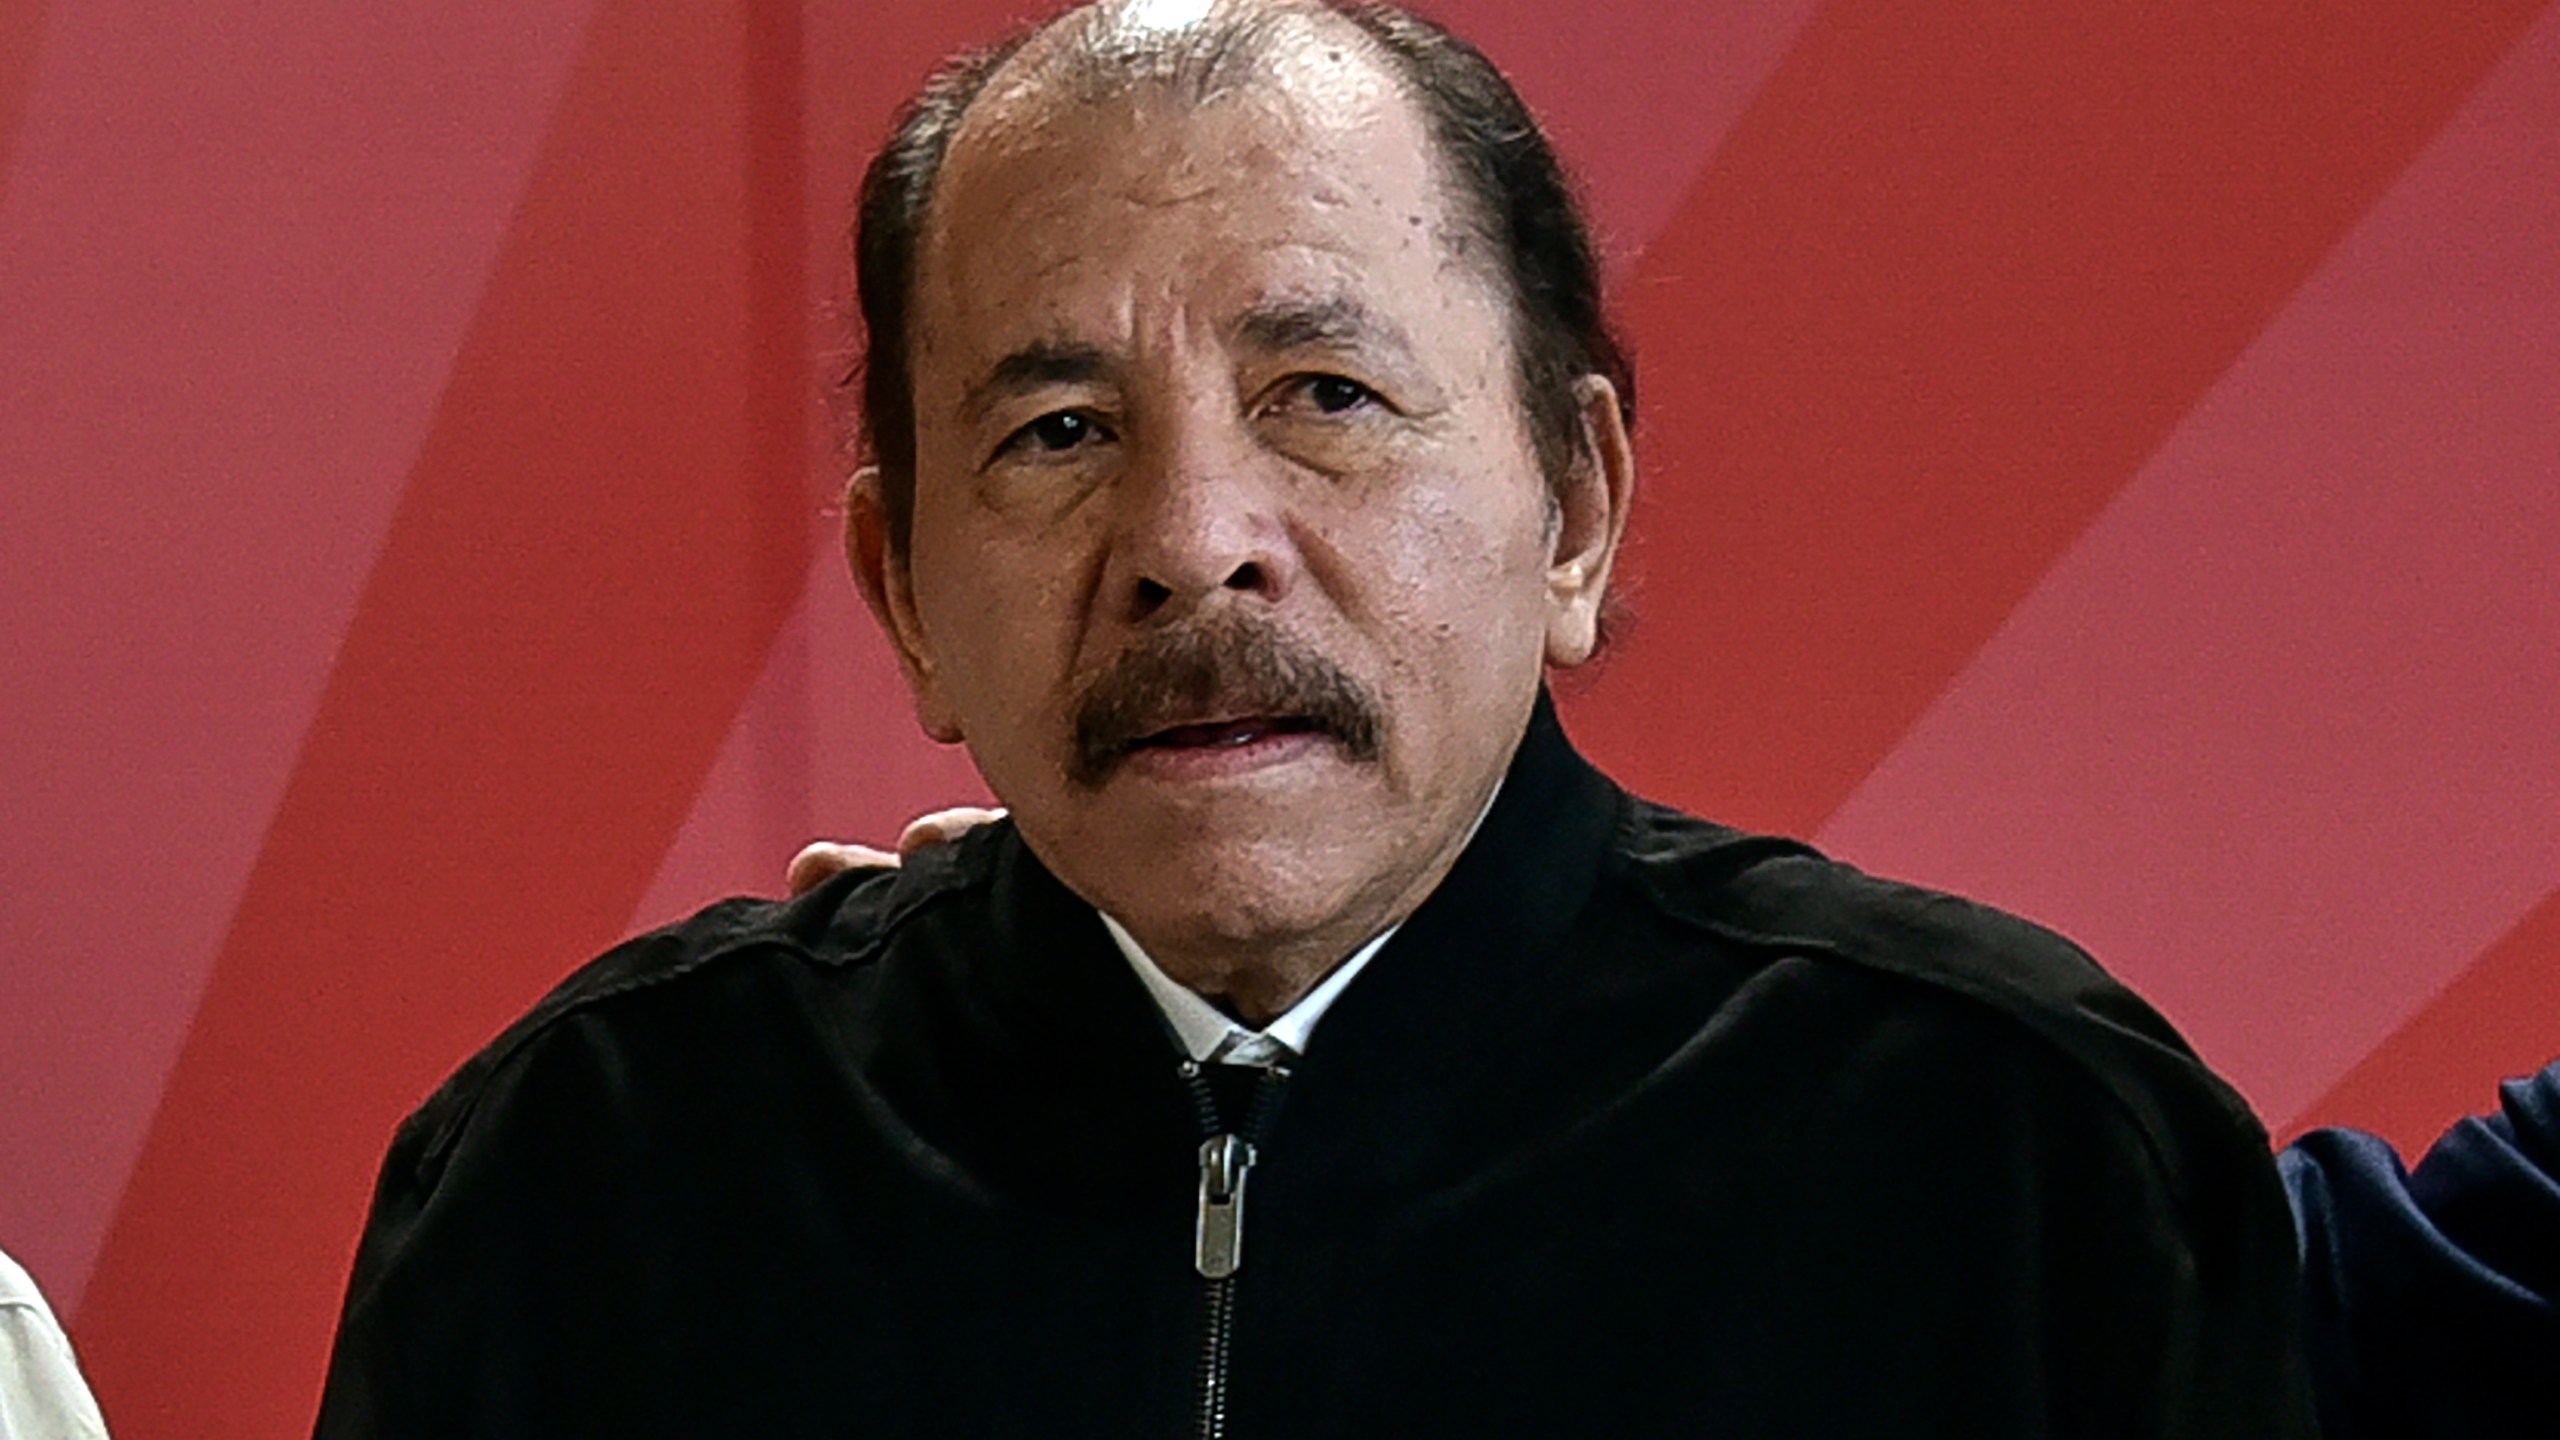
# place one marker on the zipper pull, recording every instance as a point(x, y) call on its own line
point(1217, 1245)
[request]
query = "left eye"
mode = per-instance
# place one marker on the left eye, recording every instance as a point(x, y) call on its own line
point(1332, 394)
point(1321, 395)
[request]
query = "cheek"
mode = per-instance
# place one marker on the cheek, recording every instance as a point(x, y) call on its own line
point(989, 606)
point(1456, 556)
point(1456, 589)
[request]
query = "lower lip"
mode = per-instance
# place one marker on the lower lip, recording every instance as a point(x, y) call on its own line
point(1194, 763)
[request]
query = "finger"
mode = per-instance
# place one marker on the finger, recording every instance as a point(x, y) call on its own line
point(821, 861)
point(944, 826)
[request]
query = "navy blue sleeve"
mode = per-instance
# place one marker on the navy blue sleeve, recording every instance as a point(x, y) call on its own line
point(2432, 1297)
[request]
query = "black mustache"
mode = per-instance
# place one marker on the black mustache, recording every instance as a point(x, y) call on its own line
point(1242, 665)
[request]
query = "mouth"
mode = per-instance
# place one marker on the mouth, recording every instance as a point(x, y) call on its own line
point(1224, 748)
point(1226, 734)
point(1219, 697)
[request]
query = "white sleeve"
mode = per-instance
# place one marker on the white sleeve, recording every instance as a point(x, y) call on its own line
point(42, 1396)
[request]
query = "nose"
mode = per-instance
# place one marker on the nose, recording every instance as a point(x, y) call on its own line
point(1201, 522)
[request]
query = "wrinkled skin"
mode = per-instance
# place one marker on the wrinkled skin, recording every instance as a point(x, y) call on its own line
point(1264, 387)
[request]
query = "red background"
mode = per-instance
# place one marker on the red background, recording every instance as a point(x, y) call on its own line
point(2101, 457)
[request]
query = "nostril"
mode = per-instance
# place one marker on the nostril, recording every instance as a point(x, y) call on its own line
point(1247, 576)
point(1151, 596)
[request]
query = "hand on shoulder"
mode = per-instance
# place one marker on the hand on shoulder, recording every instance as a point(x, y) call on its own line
point(822, 860)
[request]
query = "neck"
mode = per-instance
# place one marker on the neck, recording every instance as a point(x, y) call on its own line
point(1256, 979)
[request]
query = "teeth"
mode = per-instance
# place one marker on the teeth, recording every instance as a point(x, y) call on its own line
point(1222, 734)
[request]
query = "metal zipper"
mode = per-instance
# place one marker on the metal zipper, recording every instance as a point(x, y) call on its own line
point(1217, 1236)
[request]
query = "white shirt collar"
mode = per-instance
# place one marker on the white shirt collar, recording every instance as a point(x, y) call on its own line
point(1210, 1037)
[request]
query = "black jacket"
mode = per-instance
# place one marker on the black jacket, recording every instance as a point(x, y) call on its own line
point(1638, 1127)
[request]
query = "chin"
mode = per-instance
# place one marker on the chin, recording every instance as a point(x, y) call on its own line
point(1220, 892)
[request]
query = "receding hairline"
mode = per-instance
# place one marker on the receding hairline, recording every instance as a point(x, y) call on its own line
point(1079, 58)
point(1090, 55)
point(1097, 50)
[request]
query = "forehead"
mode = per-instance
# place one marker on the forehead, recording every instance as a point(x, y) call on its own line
point(1314, 173)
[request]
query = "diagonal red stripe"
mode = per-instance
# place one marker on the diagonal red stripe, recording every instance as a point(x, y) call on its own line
point(605, 530)
point(21, 41)
point(1956, 273)
point(2500, 1018)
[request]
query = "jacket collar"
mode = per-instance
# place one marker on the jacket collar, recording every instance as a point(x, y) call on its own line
point(1036, 984)
point(1493, 925)
point(1420, 1065)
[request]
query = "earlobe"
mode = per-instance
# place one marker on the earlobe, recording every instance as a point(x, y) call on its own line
point(1591, 518)
point(880, 572)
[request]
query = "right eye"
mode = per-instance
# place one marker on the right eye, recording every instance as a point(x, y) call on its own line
point(1054, 433)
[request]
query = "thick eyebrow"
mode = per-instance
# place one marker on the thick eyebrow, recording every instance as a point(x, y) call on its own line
point(1338, 323)
point(1030, 368)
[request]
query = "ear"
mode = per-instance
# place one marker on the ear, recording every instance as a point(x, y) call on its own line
point(880, 572)
point(1591, 516)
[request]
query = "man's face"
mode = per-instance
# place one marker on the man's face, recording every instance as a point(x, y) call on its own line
point(1231, 560)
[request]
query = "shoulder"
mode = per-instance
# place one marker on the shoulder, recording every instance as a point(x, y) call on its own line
point(694, 982)
point(18, 1288)
point(1783, 897)
point(844, 923)
point(1981, 974)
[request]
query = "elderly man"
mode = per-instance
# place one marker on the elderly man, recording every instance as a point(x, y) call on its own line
point(1321, 1047)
